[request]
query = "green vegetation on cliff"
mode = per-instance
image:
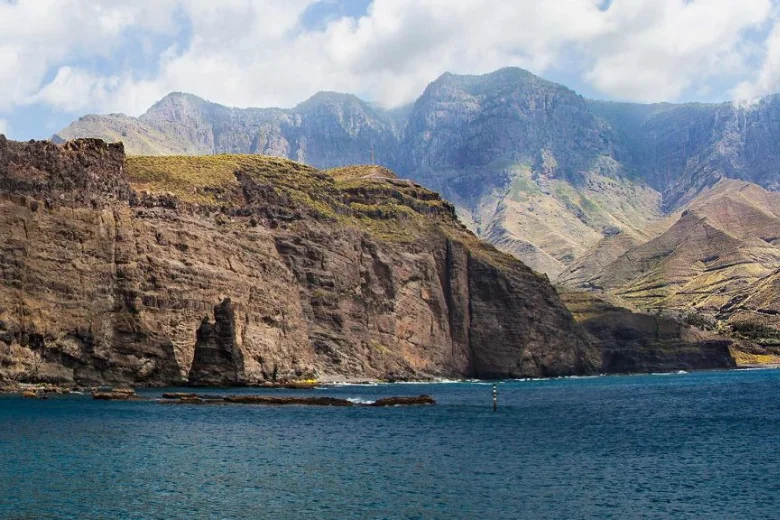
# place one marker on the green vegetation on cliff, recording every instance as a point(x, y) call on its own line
point(366, 197)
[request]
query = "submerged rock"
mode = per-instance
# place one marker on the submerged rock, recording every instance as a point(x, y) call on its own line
point(116, 394)
point(404, 401)
point(272, 400)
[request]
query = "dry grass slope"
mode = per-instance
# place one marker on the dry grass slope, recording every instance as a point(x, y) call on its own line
point(366, 197)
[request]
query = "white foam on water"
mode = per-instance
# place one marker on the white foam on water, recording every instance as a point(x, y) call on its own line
point(358, 400)
point(343, 383)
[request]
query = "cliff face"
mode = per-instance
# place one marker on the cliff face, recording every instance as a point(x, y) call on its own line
point(239, 269)
point(681, 150)
point(642, 343)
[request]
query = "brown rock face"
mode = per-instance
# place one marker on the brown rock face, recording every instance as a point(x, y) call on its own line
point(217, 359)
point(68, 302)
point(640, 343)
point(110, 265)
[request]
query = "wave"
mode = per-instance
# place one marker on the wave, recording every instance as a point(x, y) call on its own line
point(344, 383)
point(677, 373)
point(358, 400)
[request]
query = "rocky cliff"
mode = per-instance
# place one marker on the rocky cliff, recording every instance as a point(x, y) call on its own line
point(241, 269)
point(637, 342)
point(531, 166)
point(587, 192)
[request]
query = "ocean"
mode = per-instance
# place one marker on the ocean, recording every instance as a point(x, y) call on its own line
point(701, 445)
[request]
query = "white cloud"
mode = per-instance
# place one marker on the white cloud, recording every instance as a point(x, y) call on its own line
point(4, 126)
point(249, 55)
point(255, 53)
point(768, 79)
point(656, 49)
point(73, 89)
point(36, 35)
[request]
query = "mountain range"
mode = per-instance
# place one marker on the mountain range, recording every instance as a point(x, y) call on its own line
point(666, 206)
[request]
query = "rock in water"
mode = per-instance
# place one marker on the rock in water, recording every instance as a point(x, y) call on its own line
point(218, 361)
point(114, 394)
point(404, 401)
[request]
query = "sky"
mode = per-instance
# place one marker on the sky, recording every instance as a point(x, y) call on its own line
point(60, 59)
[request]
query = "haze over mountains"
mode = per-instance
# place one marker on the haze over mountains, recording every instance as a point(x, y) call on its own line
point(589, 192)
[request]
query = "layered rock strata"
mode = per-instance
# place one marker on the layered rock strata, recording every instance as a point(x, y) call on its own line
point(243, 269)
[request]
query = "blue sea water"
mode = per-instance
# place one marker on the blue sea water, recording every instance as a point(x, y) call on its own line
point(699, 445)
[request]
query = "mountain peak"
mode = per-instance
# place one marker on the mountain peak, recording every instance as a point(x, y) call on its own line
point(326, 97)
point(177, 99)
point(504, 72)
point(477, 84)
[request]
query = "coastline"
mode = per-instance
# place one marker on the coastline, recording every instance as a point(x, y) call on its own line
point(45, 389)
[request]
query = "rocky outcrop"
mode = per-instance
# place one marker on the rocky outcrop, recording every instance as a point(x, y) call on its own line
point(115, 394)
point(306, 275)
point(633, 342)
point(217, 359)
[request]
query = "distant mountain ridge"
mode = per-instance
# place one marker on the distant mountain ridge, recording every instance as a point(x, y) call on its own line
point(531, 166)
point(329, 129)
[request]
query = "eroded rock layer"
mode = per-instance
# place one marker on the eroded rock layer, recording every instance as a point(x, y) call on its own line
point(242, 269)
point(636, 342)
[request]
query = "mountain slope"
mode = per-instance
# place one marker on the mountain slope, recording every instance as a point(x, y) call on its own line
point(527, 163)
point(725, 241)
point(531, 166)
point(682, 149)
point(754, 311)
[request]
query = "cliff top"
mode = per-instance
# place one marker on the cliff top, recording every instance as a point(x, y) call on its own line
point(241, 188)
point(365, 171)
point(370, 198)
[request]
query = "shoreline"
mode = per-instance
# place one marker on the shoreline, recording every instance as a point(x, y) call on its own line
point(42, 389)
